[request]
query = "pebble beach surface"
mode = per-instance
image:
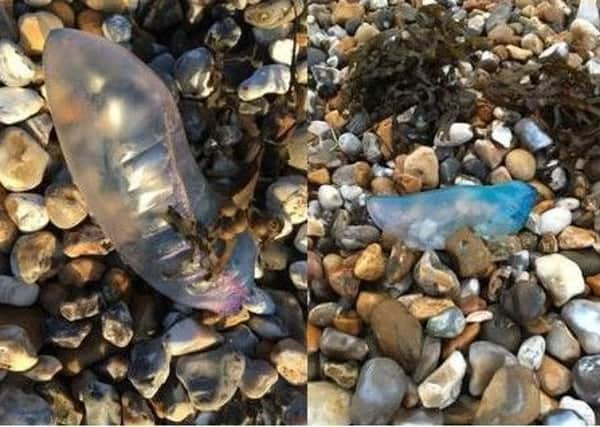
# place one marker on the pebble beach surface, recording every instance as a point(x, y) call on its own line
point(449, 332)
point(83, 339)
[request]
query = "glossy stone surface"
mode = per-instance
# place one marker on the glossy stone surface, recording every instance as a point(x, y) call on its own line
point(425, 220)
point(126, 149)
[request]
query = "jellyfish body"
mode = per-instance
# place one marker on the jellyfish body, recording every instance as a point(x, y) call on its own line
point(125, 147)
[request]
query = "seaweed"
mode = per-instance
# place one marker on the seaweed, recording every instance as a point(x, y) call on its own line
point(413, 66)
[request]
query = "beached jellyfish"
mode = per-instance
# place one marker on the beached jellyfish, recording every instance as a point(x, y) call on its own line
point(125, 146)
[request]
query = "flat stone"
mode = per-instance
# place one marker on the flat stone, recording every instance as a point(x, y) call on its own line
point(258, 379)
point(511, 397)
point(398, 333)
point(379, 392)
point(18, 104)
point(442, 387)
point(327, 404)
point(485, 358)
point(583, 318)
point(189, 336)
point(341, 346)
point(148, 366)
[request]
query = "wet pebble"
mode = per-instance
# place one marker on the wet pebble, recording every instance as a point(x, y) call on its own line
point(379, 392)
point(344, 374)
point(67, 412)
point(193, 72)
point(148, 366)
point(117, 324)
point(269, 79)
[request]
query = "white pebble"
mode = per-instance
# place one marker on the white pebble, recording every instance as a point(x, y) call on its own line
point(560, 276)
point(531, 352)
point(502, 135)
point(281, 51)
point(570, 203)
point(27, 211)
point(458, 134)
point(554, 220)
point(269, 79)
point(18, 104)
point(350, 144)
point(17, 293)
point(16, 69)
point(580, 407)
point(329, 197)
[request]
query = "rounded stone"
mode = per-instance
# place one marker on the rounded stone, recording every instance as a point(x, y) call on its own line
point(341, 346)
point(398, 333)
point(193, 72)
point(289, 358)
point(586, 379)
point(560, 276)
point(531, 352)
point(117, 28)
point(580, 407)
point(34, 29)
point(8, 232)
point(521, 164)
point(583, 318)
point(561, 343)
point(23, 161)
point(327, 404)
point(329, 197)
point(563, 417)
point(370, 264)
point(17, 352)
point(34, 255)
point(16, 69)
point(424, 164)
point(16, 293)
point(442, 387)
point(117, 325)
point(27, 210)
point(258, 379)
point(148, 366)
point(485, 358)
point(554, 220)
point(448, 324)
point(18, 104)
point(435, 278)
point(379, 392)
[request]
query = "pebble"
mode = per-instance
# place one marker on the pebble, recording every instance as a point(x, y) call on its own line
point(448, 324)
point(561, 343)
point(17, 353)
point(350, 144)
point(27, 210)
point(87, 239)
point(442, 387)
point(573, 237)
point(193, 71)
point(498, 404)
point(531, 135)
point(189, 336)
point(586, 379)
point(583, 317)
point(344, 374)
point(65, 205)
point(435, 278)
point(424, 164)
point(117, 28)
point(135, 409)
point(501, 330)
point(171, 402)
point(430, 355)
point(289, 358)
point(370, 264)
point(148, 366)
point(100, 400)
point(8, 232)
point(563, 417)
point(525, 301)
point(269, 79)
point(470, 253)
point(45, 369)
point(16, 69)
point(63, 333)
point(458, 134)
point(580, 407)
point(258, 379)
point(485, 358)
point(341, 346)
point(560, 276)
point(81, 306)
point(20, 408)
point(531, 352)
point(271, 14)
point(554, 377)
point(34, 29)
point(554, 220)
point(18, 104)
point(223, 34)
point(16, 293)
point(521, 164)
point(398, 333)
point(289, 194)
point(23, 161)
point(381, 387)
point(61, 402)
point(327, 404)
point(329, 197)
point(117, 325)
point(33, 256)
point(211, 378)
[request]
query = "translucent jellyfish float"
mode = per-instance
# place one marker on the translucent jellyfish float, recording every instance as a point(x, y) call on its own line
point(126, 149)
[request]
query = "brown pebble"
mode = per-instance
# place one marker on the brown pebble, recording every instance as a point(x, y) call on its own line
point(573, 237)
point(406, 183)
point(90, 21)
point(424, 307)
point(344, 11)
point(362, 174)
point(341, 276)
point(348, 322)
point(471, 304)
point(594, 283)
point(370, 264)
point(319, 176)
point(81, 270)
point(554, 377)
point(64, 11)
point(548, 244)
point(313, 337)
point(463, 341)
point(384, 130)
point(470, 254)
point(383, 186)
point(366, 302)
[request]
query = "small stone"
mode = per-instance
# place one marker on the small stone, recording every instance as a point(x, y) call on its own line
point(34, 256)
point(34, 29)
point(458, 134)
point(430, 355)
point(80, 271)
point(554, 377)
point(16, 69)
point(379, 392)
point(583, 318)
point(65, 205)
point(531, 352)
point(289, 195)
point(491, 154)
point(350, 144)
point(44, 369)
point(554, 221)
point(117, 29)
point(586, 379)
point(289, 358)
point(269, 79)
point(573, 237)
point(16, 293)
point(189, 336)
point(272, 13)
point(485, 358)
point(87, 239)
point(470, 253)
point(442, 387)
point(117, 325)
point(398, 333)
point(101, 400)
point(225, 34)
point(448, 324)
point(345, 374)
point(81, 306)
point(135, 409)
point(561, 343)
point(171, 402)
point(66, 334)
point(20, 408)
point(521, 164)
point(17, 352)
point(563, 417)
point(498, 404)
point(518, 53)
point(424, 308)
point(148, 366)
point(580, 407)
point(345, 11)
point(327, 404)
point(8, 232)
point(27, 210)
point(423, 163)
point(193, 72)
point(18, 104)
point(501, 330)
point(531, 135)
point(525, 301)
point(329, 197)
point(211, 378)
point(61, 402)
point(258, 379)
point(435, 278)
point(370, 264)
point(560, 276)
point(341, 346)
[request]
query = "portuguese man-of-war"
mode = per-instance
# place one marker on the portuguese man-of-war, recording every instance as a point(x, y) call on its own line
point(425, 220)
point(126, 149)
